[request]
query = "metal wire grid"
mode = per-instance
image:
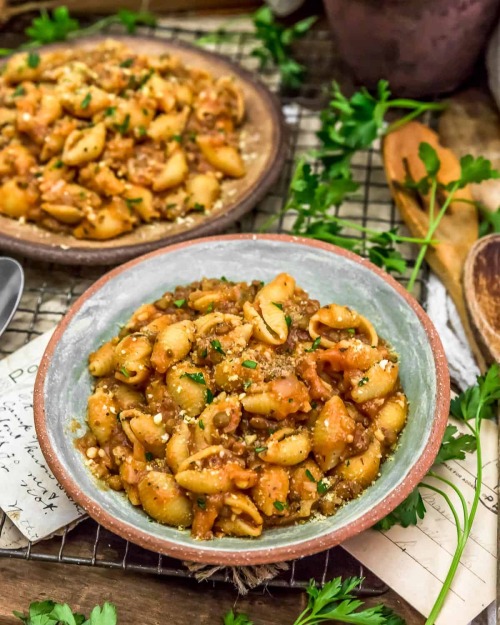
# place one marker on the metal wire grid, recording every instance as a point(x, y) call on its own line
point(50, 290)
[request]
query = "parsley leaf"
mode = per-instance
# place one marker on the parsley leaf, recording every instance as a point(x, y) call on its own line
point(33, 60)
point(238, 618)
point(132, 19)
point(249, 364)
point(149, 456)
point(259, 450)
point(47, 28)
point(279, 505)
point(455, 447)
point(123, 127)
point(315, 345)
point(86, 101)
point(217, 347)
point(407, 513)
point(196, 377)
point(124, 372)
point(209, 396)
point(489, 220)
point(179, 303)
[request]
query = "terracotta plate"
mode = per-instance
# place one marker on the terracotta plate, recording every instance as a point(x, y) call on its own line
point(265, 142)
point(329, 274)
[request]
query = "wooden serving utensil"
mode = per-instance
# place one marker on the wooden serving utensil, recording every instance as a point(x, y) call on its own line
point(458, 229)
point(482, 291)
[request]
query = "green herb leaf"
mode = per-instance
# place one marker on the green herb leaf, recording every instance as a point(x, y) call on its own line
point(33, 60)
point(48, 29)
point(179, 303)
point(210, 308)
point(351, 331)
point(19, 91)
point(315, 345)
point(236, 618)
point(310, 476)
point(201, 503)
point(131, 201)
point(127, 63)
point(474, 170)
point(149, 456)
point(124, 372)
point(363, 381)
point(288, 320)
point(454, 447)
point(322, 487)
point(209, 396)
point(429, 158)
point(259, 450)
point(86, 101)
point(489, 221)
point(279, 505)
point(407, 513)
point(132, 19)
point(123, 127)
point(201, 425)
point(218, 347)
point(199, 208)
point(196, 377)
point(177, 138)
point(249, 364)
point(278, 305)
point(247, 384)
point(111, 110)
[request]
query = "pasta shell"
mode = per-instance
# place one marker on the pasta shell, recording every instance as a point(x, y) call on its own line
point(333, 432)
point(173, 344)
point(362, 469)
point(272, 486)
point(132, 359)
point(102, 361)
point(378, 381)
point(190, 395)
point(163, 500)
point(287, 447)
point(177, 451)
point(101, 415)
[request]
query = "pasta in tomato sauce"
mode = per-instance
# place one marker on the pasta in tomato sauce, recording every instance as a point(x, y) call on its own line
point(232, 407)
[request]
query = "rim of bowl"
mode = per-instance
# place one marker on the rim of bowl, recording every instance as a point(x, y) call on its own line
point(265, 555)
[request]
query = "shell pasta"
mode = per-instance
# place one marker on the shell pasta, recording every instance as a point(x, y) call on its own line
point(231, 407)
point(96, 142)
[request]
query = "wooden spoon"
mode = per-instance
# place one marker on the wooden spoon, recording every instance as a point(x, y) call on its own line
point(458, 229)
point(482, 289)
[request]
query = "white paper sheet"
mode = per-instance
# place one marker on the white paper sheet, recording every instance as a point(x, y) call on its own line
point(29, 493)
point(414, 561)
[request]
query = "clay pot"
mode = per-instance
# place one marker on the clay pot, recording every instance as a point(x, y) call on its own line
point(422, 47)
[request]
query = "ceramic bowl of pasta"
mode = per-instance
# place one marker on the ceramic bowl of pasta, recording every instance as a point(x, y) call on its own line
point(110, 148)
point(242, 399)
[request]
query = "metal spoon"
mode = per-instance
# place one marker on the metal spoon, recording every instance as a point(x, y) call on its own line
point(11, 289)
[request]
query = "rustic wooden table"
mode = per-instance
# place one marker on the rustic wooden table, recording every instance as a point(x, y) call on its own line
point(151, 600)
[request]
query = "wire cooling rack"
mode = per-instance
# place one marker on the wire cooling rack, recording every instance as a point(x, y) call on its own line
point(50, 290)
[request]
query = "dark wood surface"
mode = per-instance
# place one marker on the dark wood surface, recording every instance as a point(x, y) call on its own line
point(152, 600)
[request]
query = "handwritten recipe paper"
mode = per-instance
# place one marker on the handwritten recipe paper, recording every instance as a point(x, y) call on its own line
point(413, 561)
point(29, 494)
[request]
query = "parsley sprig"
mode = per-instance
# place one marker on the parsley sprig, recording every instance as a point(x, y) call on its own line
point(275, 43)
point(335, 601)
point(472, 171)
point(58, 25)
point(471, 408)
point(52, 613)
point(323, 178)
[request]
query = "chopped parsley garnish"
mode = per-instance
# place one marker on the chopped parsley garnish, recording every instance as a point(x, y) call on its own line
point(224, 279)
point(179, 303)
point(149, 456)
point(177, 138)
point(196, 377)
point(199, 208)
point(322, 487)
point(288, 320)
point(20, 90)
point(279, 505)
point(210, 307)
point(247, 384)
point(86, 101)
point(310, 476)
point(33, 60)
point(201, 503)
point(259, 450)
point(58, 165)
point(315, 345)
point(351, 331)
point(204, 353)
point(123, 127)
point(209, 396)
point(124, 372)
point(141, 131)
point(249, 364)
point(201, 425)
point(218, 347)
point(130, 201)
point(111, 110)
point(363, 381)
point(127, 63)
point(278, 305)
